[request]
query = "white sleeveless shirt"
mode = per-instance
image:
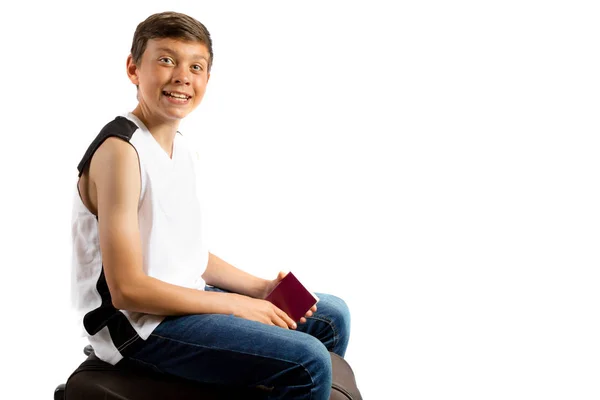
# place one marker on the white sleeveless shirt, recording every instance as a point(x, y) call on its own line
point(173, 243)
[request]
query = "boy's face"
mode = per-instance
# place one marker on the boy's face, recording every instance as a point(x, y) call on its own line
point(171, 76)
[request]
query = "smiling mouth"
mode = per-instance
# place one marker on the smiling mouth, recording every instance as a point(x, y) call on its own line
point(179, 96)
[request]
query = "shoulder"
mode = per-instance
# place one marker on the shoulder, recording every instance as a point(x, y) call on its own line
point(120, 128)
point(114, 150)
point(115, 160)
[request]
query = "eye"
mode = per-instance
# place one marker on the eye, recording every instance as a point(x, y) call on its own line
point(197, 67)
point(166, 60)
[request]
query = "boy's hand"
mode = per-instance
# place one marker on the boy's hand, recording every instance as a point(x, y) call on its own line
point(262, 311)
point(309, 313)
point(271, 285)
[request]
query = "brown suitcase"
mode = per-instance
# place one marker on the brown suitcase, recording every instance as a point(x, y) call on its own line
point(95, 379)
point(343, 385)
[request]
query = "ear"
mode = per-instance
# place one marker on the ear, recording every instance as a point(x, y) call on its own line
point(132, 71)
point(207, 77)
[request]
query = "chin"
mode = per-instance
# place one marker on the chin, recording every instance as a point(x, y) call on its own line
point(178, 114)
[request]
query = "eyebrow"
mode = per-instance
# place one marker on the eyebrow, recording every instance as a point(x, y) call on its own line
point(170, 51)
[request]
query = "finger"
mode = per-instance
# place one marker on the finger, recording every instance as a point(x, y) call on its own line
point(314, 308)
point(290, 322)
point(283, 315)
point(281, 275)
point(279, 317)
point(280, 322)
point(302, 320)
point(309, 313)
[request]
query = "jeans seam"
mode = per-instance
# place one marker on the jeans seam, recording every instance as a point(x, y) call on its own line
point(312, 381)
point(128, 342)
point(147, 364)
point(332, 325)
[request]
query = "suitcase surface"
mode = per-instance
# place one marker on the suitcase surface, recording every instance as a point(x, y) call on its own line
point(343, 386)
point(95, 379)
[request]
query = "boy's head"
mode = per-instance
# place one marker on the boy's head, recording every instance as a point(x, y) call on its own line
point(169, 25)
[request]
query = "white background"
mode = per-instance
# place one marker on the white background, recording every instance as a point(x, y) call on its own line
point(434, 163)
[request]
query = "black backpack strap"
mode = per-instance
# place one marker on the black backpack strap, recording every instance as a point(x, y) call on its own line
point(120, 127)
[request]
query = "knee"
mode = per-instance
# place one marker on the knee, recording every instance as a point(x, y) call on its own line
point(317, 362)
point(340, 315)
point(307, 372)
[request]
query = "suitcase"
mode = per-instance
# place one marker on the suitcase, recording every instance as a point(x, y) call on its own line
point(95, 379)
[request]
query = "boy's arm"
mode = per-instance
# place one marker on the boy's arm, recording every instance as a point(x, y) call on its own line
point(115, 178)
point(223, 275)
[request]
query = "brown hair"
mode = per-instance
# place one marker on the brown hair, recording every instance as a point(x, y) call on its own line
point(169, 25)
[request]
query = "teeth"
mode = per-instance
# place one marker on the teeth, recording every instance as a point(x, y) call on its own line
point(179, 96)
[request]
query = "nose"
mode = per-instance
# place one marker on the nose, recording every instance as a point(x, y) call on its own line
point(181, 76)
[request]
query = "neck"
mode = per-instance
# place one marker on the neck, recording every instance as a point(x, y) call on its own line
point(164, 131)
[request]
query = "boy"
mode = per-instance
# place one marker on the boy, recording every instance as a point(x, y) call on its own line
point(140, 265)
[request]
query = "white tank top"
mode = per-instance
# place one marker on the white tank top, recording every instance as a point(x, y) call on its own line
point(173, 244)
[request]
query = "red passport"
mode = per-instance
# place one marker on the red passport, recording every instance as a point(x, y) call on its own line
point(292, 297)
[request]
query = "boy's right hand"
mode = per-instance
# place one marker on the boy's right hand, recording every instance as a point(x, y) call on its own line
point(262, 311)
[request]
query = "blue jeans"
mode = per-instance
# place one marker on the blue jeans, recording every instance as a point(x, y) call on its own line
point(227, 350)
